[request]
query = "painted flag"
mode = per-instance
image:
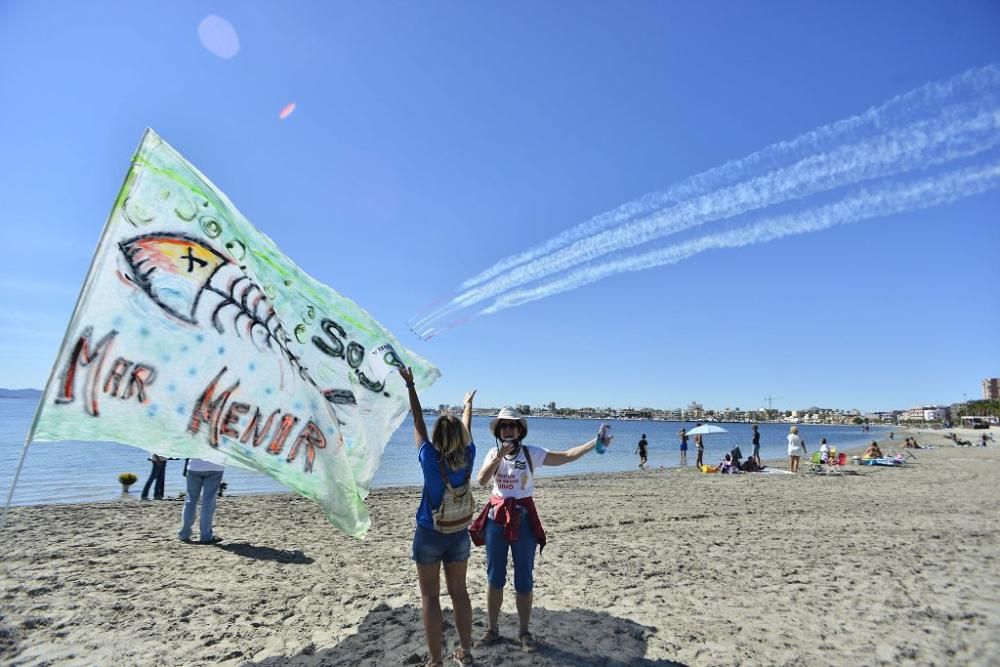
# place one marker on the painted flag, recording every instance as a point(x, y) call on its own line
point(195, 337)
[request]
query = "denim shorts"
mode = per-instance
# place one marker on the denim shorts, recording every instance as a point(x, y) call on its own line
point(430, 546)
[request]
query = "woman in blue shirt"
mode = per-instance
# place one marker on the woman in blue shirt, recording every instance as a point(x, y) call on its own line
point(450, 444)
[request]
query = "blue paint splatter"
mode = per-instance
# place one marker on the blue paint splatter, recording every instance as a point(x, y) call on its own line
point(144, 332)
point(221, 350)
point(184, 348)
point(252, 366)
point(165, 358)
point(153, 409)
point(192, 371)
point(171, 387)
point(268, 391)
point(200, 338)
point(297, 406)
point(180, 409)
point(117, 322)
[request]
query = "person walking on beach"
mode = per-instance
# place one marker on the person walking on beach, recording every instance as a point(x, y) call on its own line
point(449, 454)
point(203, 479)
point(641, 451)
point(509, 522)
point(684, 446)
point(796, 449)
point(157, 474)
point(755, 441)
point(699, 449)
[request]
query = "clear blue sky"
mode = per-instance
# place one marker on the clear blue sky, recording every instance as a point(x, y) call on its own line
point(431, 140)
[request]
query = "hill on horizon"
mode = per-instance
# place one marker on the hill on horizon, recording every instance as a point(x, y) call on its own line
point(20, 393)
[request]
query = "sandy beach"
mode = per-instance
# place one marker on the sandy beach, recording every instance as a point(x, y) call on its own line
point(881, 566)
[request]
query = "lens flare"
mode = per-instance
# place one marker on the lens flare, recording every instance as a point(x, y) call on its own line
point(219, 36)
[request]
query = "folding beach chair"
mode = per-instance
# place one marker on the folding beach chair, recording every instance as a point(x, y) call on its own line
point(837, 464)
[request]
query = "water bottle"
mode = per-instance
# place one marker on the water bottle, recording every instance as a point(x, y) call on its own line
point(603, 438)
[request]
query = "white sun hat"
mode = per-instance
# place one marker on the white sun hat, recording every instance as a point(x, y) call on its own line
point(512, 415)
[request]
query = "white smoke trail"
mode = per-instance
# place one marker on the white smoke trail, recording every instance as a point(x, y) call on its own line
point(957, 132)
point(944, 124)
point(976, 83)
point(864, 204)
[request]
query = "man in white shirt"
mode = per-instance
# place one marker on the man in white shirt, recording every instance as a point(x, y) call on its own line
point(203, 479)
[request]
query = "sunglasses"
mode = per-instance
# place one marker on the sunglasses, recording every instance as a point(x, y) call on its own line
point(504, 425)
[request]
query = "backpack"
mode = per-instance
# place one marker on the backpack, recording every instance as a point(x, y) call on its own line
point(457, 504)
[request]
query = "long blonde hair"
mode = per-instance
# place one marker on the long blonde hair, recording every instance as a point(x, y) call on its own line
point(450, 437)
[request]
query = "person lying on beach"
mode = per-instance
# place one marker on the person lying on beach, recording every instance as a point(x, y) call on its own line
point(750, 465)
point(911, 443)
point(873, 452)
point(448, 454)
point(509, 522)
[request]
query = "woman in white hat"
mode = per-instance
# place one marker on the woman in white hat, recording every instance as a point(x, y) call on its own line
point(509, 522)
point(796, 449)
point(451, 448)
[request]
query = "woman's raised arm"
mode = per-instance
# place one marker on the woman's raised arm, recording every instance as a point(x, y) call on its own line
point(419, 427)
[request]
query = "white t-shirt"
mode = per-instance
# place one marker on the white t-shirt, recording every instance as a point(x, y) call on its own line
point(794, 444)
point(201, 465)
point(514, 478)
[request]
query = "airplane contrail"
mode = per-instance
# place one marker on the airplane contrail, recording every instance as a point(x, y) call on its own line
point(862, 205)
point(976, 83)
point(942, 126)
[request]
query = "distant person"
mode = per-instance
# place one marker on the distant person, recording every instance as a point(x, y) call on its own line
point(824, 451)
point(750, 465)
point(641, 451)
point(158, 474)
point(203, 480)
point(509, 522)
point(737, 455)
point(873, 451)
point(449, 454)
point(699, 449)
point(755, 441)
point(985, 439)
point(684, 446)
point(796, 449)
point(727, 465)
point(891, 434)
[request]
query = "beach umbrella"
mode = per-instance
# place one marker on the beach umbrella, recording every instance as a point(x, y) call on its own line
point(705, 429)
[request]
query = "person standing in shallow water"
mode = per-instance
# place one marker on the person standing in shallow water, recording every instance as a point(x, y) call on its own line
point(684, 446)
point(755, 440)
point(158, 475)
point(641, 450)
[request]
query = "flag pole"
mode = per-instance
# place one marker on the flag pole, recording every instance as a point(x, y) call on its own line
point(70, 328)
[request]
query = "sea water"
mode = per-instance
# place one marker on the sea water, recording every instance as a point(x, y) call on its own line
point(79, 471)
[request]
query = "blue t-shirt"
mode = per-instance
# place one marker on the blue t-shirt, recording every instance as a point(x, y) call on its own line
point(433, 485)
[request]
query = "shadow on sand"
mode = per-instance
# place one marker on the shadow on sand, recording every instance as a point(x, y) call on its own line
point(395, 636)
point(266, 553)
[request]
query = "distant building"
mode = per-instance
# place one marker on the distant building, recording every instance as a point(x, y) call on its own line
point(552, 406)
point(524, 409)
point(991, 389)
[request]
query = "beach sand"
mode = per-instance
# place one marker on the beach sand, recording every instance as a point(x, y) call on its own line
point(880, 566)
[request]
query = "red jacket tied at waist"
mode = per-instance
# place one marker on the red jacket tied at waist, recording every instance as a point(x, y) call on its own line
point(508, 515)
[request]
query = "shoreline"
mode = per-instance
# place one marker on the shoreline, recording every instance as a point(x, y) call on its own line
point(878, 566)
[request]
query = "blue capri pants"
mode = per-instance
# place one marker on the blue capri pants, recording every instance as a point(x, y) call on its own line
point(523, 550)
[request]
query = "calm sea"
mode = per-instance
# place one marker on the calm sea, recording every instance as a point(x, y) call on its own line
point(77, 471)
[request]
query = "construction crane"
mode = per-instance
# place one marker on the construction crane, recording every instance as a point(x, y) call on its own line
point(769, 399)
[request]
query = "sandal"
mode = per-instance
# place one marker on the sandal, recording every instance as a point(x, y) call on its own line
point(489, 638)
point(528, 643)
point(462, 657)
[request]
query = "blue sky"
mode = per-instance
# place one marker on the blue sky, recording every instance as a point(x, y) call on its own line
point(431, 140)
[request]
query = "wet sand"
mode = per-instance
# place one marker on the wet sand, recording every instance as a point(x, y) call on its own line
point(879, 566)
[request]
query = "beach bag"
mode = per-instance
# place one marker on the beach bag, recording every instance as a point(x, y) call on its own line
point(457, 504)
